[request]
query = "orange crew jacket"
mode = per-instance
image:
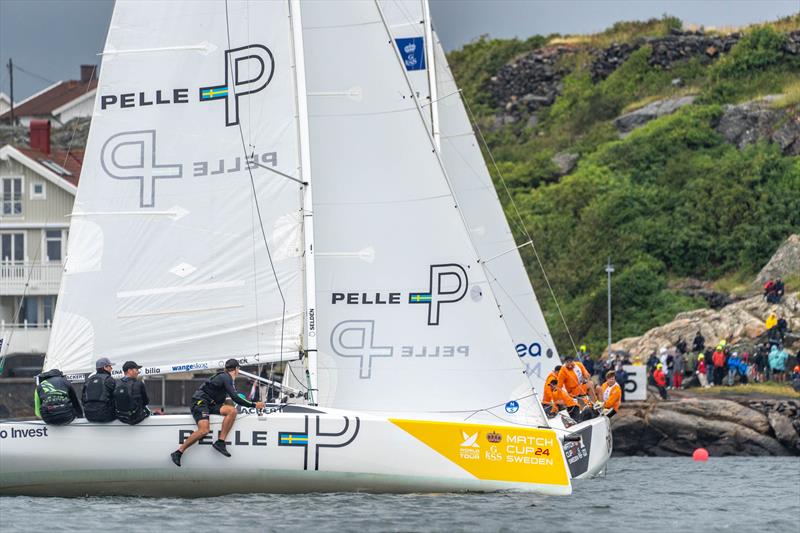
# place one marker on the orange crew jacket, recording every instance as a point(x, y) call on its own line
point(568, 379)
point(611, 398)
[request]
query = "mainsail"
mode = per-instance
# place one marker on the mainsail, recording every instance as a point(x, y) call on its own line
point(407, 319)
point(176, 258)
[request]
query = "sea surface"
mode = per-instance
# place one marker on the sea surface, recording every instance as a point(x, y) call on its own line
point(637, 494)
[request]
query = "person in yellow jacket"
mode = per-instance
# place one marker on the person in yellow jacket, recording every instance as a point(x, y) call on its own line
point(611, 394)
point(772, 321)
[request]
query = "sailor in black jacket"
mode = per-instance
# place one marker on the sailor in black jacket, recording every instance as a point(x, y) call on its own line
point(210, 399)
point(130, 396)
point(98, 393)
point(55, 401)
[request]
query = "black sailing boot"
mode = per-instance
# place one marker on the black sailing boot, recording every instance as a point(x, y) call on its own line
point(219, 445)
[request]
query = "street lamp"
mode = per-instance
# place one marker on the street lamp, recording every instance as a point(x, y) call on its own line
point(609, 270)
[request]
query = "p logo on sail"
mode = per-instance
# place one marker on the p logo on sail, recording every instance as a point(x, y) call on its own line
point(248, 69)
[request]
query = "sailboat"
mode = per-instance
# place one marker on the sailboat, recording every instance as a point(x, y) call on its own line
point(395, 296)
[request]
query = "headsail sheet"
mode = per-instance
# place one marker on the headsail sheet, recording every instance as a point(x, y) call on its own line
point(167, 262)
point(407, 320)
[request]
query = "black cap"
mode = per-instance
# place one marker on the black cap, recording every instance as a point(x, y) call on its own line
point(130, 364)
point(230, 364)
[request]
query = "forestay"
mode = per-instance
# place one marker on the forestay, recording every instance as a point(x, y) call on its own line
point(167, 264)
point(407, 320)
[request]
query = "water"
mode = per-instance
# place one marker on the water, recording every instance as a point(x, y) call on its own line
point(638, 494)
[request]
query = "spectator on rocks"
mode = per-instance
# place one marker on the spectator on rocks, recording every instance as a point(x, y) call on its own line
point(587, 360)
point(699, 342)
point(621, 377)
point(651, 363)
point(670, 368)
point(701, 371)
point(678, 365)
point(733, 367)
point(769, 291)
point(680, 345)
point(796, 378)
point(718, 360)
point(772, 321)
point(761, 362)
point(780, 289)
point(660, 379)
point(708, 358)
point(777, 363)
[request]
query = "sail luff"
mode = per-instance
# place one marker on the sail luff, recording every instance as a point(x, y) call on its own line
point(310, 346)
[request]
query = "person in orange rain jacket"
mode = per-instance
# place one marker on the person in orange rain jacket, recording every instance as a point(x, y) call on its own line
point(553, 374)
point(661, 380)
point(574, 378)
point(611, 394)
point(557, 398)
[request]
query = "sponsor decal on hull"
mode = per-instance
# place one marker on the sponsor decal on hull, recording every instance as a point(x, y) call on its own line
point(311, 440)
point(512, 454)
point(577, 453)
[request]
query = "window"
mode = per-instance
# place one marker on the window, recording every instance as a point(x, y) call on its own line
point(12, 247)
point(53, 239)
point(38, 191)
point(30, 310)
point(12, 196)
point(49, 304)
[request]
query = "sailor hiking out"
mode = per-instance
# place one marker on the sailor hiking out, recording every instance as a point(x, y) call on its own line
point(611, 394)
point(130, 396)
point(210, 399)
point(98, 393)
point(574, 377)
point(54, 400)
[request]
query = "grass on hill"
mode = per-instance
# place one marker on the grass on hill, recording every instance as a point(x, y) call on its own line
point(672, 199)
point(782, 390)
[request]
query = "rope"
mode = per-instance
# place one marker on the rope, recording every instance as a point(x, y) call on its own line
point(520, 220)
point(255, 198)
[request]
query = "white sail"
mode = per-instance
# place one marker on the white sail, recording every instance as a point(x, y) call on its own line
point(167, 261)
point(406, 318)
point(489, 228)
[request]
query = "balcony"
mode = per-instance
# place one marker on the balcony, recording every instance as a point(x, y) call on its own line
point(41, 278)
point(24, 338)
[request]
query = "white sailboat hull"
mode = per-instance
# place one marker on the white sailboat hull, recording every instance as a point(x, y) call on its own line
point(292, 451)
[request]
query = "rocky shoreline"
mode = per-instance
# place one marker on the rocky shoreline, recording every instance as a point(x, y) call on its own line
point(731, 426)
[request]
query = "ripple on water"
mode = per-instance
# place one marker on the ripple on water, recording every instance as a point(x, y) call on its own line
point(622, 501)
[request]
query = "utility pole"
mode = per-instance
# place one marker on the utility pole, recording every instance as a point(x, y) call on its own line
point(11, 87)
point(609, 270)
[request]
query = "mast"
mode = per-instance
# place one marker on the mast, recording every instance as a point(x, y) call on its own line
point(308, 206)
point(431, 64)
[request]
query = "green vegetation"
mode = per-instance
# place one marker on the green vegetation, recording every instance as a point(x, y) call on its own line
point(673, 199)
point(780, 390)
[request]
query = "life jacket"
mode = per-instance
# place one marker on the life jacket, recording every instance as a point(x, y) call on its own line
point(56, 405)
point(611, 396)
point(128, 402)
point(660, 378)
point(98, 403)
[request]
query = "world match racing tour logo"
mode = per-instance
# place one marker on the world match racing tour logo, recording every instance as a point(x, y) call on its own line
point(447, 284)
point(132, 155)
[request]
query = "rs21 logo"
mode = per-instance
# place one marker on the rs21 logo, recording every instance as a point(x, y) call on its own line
point(533, 349)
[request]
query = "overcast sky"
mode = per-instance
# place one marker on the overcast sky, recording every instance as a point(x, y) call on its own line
point(49, 39)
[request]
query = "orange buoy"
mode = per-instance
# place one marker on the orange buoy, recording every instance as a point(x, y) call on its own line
point(700, 454)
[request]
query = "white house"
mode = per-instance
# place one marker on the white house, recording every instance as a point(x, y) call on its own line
point(37, 188)
point(61, 102)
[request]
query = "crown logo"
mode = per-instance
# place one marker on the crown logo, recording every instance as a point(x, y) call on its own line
point(410, 48)
point(494, 437)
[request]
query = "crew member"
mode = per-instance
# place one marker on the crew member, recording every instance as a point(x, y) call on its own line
point(574, 377)
point(130, 396)
point(557, 398)
point(611, 393)
point(98, 393)
point(553, 374)
point(54, 400)
point(209, 399)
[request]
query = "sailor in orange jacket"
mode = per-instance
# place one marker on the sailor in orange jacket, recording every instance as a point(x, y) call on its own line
point(553, 374)
point(557, 398)
point(611, 393)
point(575, 379)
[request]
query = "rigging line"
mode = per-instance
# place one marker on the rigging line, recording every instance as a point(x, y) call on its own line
point(255, 199)
point(253, 161)
point(29, 73)
point(522, 314)
point(521, 220)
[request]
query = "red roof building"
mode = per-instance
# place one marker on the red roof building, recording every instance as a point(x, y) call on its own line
point(61, 102)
